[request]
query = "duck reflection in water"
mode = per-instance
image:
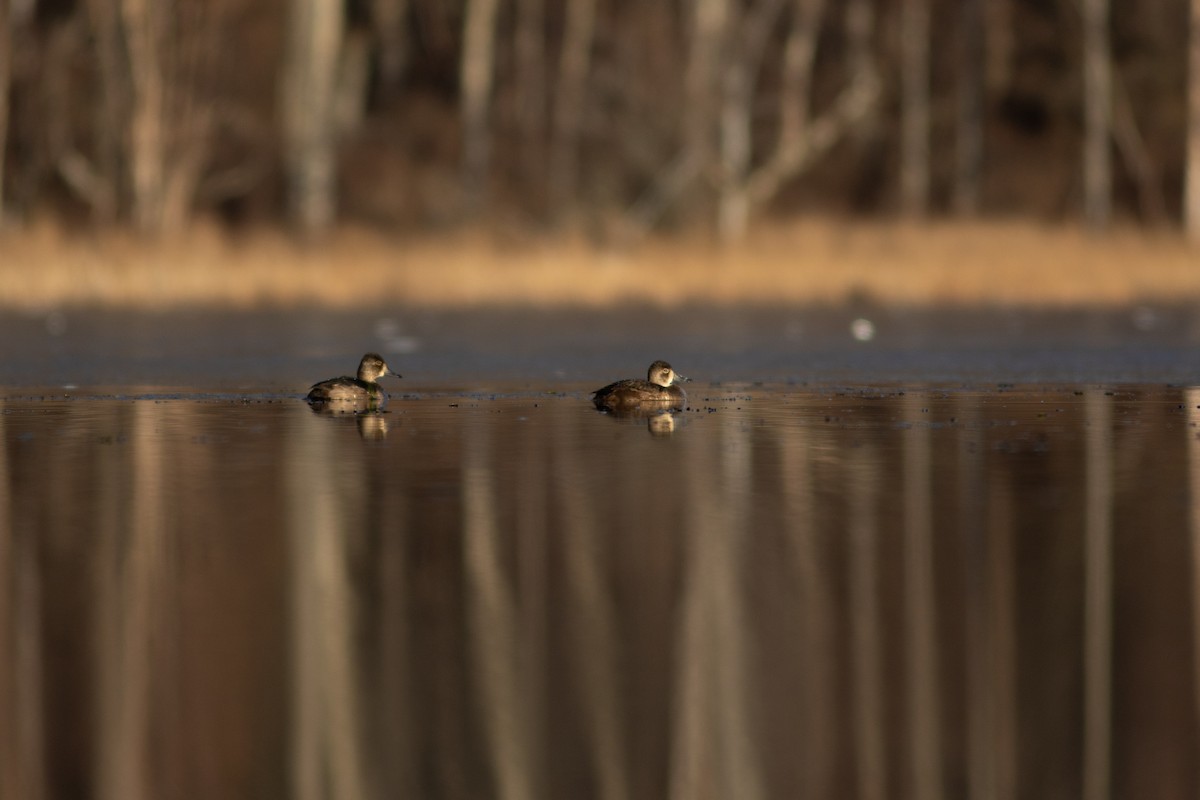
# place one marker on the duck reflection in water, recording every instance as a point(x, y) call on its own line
point(372, 425)
point(633, 397)
point(346, 395)
point(661, 424)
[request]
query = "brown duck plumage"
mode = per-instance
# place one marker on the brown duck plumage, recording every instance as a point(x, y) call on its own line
point(363, 390)
point(658, 391)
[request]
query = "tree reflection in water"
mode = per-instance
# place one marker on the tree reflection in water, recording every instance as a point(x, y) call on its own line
point(797, 593)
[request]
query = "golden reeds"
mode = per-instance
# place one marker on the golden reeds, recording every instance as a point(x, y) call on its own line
point(807, 262)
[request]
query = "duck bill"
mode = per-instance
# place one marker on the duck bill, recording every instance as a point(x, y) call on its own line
point(682, 378)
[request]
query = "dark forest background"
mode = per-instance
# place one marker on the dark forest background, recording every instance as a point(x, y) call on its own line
point(615, 117)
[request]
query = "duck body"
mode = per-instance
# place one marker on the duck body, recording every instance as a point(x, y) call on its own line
point(659, 392)
point(634, 393)
point(345, 389)
point(360, 393)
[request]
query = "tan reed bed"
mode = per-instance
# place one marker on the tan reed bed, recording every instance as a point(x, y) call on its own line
point(824, 262)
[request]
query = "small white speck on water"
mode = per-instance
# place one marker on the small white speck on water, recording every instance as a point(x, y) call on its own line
point(862, 329)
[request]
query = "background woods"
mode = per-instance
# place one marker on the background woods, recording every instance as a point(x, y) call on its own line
point(609, 116)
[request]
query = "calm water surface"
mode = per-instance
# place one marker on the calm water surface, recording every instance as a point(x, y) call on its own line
point(785, 591)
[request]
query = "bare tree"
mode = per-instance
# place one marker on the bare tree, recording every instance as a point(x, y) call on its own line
point(711, 108)
point(309, 94)
point(570, 100)
point(697, 122)
point(726, 51)
point(1097, 100)
point(152, 127)
point(1192, 191)
point(476, 74)
point(743, 56)
point(144, 25)
point(800, 145)
point(914, 108)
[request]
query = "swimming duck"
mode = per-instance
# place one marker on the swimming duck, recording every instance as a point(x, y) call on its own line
point(658, 391)
point(355, 394)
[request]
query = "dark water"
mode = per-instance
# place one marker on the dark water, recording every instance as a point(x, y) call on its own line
point(885, 591)
point(959, 559)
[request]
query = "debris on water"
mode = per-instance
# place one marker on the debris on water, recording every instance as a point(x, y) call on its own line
point(862, 329)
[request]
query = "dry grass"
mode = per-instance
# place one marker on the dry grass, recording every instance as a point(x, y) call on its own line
point(810, 262)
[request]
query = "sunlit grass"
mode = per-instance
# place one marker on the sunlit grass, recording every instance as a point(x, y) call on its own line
point(809, 262)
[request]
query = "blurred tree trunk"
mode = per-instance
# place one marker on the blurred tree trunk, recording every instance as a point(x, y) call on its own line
point(701, 73)
point(6, 39)
point(697, 121)
point(997, 29)
point(744, 189)
point(312, 57)
point(799, 57)
point(99, 182)
point(144, 27)
point(476, 77)
point(801, 141)
point(569, 102)
point(737, 93)
point(1097, 100)
point(1136, 155)
point(968, 159)
point(389, 18)
point(914, 108)
point(726, 44)
point(1124, 132)
point(743, 58)
point(1191, 201)
point(150, 137)
point(531, 92)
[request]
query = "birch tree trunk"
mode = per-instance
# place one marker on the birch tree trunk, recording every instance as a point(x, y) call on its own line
point(803, 141)
point(733, 210)
point(570, 101)
point(309, 92)
point(800, 141)
point(743, 55)
point(1097, 100)
point(476, 74)
point(709, 18)
point(144, 28)
point(151, 128)
point(914, 109)
point(968, 156)
point(799, 58)
point(1191, 201)
point(697, 130)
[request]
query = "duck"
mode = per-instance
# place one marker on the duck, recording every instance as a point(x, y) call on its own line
point(660, 391)
point(362, 393)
